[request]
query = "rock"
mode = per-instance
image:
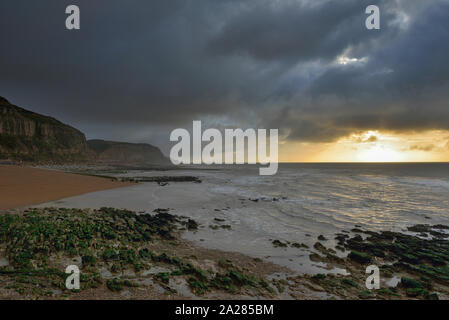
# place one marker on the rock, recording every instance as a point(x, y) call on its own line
point(366, 294)
point(413, 292)
point(299, 245)
point(433, 296)
point(410, 258)
point(359, 257)
point(349, 282)
point(318, 246)
point(192, 225)
point(319, 276)
point(164, 179)
point(441, 226)
point(89, 260)
point(410, 283)
point(278, 243)
point(419, 228)
point(315, 257)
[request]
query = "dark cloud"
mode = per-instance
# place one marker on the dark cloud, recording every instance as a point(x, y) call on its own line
point(136, 70)
point(402, 85)
point(296, 31)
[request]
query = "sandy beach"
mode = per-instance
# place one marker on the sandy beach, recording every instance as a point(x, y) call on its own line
point(24, 186)
point(226, 234)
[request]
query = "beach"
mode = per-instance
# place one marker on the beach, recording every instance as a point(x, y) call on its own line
point(24, 186)
point(307, 233)
point(297, 205)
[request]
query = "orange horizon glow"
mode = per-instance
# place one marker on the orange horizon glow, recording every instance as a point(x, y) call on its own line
point(372, 146)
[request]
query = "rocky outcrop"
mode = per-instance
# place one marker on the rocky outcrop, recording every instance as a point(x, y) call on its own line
point(113, 152)
point(25, 135)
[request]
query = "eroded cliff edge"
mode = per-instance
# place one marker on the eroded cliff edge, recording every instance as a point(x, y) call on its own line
point(29, 136)
point(32, 137)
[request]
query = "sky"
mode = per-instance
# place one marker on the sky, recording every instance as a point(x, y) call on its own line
point(336, 91)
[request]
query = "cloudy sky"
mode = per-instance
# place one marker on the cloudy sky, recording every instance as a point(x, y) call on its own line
point(336, 91)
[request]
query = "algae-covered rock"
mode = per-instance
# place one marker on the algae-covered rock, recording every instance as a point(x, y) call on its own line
point(192, 224)
point(433, 296)
point(414, 292)
point(115, 284)
point(118, 284)
point(349, 282)
point(410, 283)
point(366, 294)
point(299, 245)
point(359, 257)
point(163, 276)
point(89, 260)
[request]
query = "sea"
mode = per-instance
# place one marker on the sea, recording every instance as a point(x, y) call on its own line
point(241, 211)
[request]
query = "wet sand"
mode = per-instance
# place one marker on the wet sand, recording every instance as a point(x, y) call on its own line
point(24, 186)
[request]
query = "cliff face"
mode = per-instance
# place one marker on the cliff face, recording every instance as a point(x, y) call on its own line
point(112, 152)
point(28, 136)
point(25, 135)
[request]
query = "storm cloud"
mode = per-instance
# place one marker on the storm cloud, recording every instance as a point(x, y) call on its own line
point(138, 69)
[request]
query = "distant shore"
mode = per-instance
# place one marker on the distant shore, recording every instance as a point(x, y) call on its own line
point(24, 186)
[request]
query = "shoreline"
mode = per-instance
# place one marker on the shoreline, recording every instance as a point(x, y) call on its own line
point(145, 252)
point(126, 255)
point(28, 186)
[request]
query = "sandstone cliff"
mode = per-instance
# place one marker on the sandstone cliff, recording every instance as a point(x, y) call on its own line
point(28, 136)
point(25, 135)
point(113, 152)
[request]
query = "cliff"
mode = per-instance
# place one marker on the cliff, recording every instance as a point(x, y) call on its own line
point(25, 135)
point(29, 136)
point(113, 152)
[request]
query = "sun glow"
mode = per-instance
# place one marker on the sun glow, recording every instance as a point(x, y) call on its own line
point(345, 60)
point(379, 153)
point(373, 146)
